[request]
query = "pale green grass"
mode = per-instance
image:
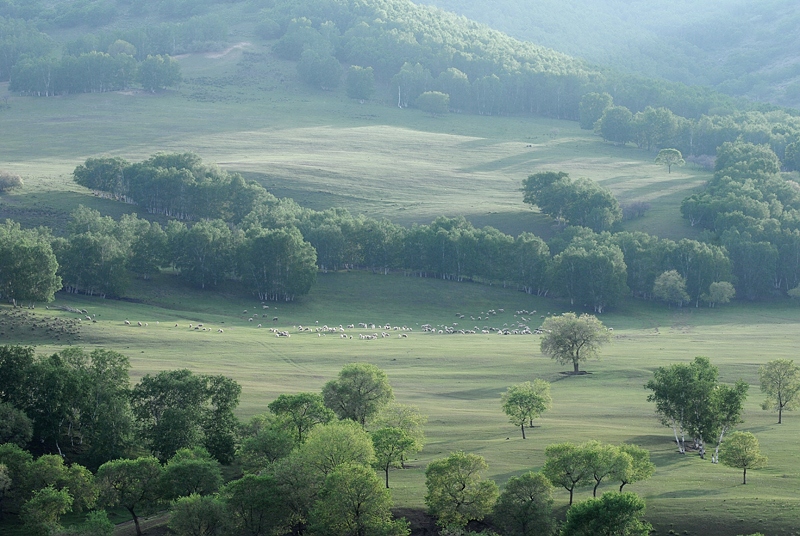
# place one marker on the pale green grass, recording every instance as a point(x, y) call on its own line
point(249, 113)
point(457, 380)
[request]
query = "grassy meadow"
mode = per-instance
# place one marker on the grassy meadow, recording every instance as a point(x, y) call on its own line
point(457, 380)
point(245, 111)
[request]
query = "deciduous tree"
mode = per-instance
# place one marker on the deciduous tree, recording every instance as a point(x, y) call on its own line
point(571, 339)
point(780, 382)
point(457, 493)
point(613, 514)
point(353, 503)
point(566, 465)
point(741, 450)
point(359, 393)
point(669, 158)
point(390, 444)
point(525, 507)
point(131, 484)
point(526, 401)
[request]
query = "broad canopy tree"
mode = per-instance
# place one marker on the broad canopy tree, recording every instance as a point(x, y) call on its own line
point(690, 400)
point(457, 493)
point(571, 339)
point(359, 393)
point(742, 451)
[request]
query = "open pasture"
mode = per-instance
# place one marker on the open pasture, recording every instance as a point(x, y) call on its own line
point(457, 379)
point(247, 111)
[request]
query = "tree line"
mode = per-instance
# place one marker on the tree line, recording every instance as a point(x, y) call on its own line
point(420, 50)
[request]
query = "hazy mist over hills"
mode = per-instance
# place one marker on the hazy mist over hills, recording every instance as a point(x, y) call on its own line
point(739, 47)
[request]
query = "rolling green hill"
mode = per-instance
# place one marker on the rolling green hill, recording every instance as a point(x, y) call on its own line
point(741, 48)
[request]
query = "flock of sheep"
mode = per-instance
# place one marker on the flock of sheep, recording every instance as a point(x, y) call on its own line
point(518, 326)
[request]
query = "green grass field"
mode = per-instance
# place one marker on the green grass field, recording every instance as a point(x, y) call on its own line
point(457, 379)
point(323, 150)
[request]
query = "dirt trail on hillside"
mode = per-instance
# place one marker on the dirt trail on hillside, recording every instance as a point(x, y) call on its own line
point(227, 50)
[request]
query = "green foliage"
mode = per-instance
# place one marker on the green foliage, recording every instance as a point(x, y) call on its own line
point(190, 472)
point(592, 107)
point(177, 409)
point(690, 399)
point(741, 450)
point(302, 411)
point(640, 468)
point(526, 401)
point(669, 158)
point(433, 102)
point(159, 72)
point(580, 202)
point(390, 445)
point(408, 419)
point(780, 382)
point(670, 286)
point(42, 512)
point(95, 524)
point(616, 124)
point(319, 69)
point(15, 426)
point(570, 339)
point(255, 505)
point(719, 292)
point(359, 393)
point(525, 507)
point(613, 514)
point(360, 82)
point(566, 465)
point(457, 493)
point(352, 503)
point(265, 440)
point(131, 484)
point(331, 445)
point(198, 515)
point(28, 265)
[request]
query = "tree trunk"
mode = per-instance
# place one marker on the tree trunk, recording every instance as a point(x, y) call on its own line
point(523, 431)
point(744, 476)
point(575, 367)
point(135, 521)
point(780, 412)
point(387, 476)
point(570, 496)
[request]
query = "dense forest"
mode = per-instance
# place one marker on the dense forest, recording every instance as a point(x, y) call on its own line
point(740, 48)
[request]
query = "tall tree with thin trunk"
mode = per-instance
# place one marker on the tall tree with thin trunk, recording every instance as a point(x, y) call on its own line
point(526, 401)
point(780, 381)
point(741, 450)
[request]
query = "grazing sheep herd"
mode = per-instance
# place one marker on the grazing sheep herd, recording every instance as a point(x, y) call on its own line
point(519, 325)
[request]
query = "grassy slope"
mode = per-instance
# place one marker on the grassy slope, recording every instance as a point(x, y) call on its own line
point(247, 113)
point(457, 380)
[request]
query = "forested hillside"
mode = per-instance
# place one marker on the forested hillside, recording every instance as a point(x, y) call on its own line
point(738, 47)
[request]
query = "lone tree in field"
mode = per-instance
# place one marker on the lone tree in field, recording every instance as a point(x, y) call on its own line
point(526, 401)
point(571, 339)
point(780, 381)
point(360, 392)
point(669, 158)
point(741, 450)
